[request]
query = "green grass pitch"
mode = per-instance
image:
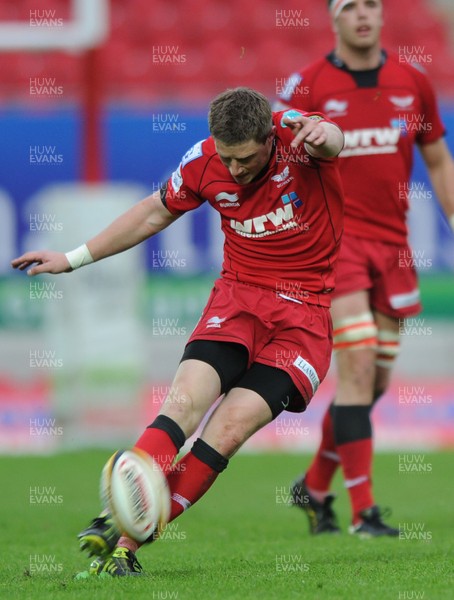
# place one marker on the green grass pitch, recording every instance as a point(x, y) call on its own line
point(239, 542)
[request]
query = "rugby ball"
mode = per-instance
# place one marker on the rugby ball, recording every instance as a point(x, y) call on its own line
point(134, 490)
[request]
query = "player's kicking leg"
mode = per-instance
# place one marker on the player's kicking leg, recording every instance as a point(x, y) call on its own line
point(241, 413)
point(195, 388)
point(100, 537)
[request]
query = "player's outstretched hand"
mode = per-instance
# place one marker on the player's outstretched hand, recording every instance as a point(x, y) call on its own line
point(46, 261)
point(306, 129)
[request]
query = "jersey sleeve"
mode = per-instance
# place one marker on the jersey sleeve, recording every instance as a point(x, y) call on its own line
point(432, 127)
point(291, 113)
point(180, 192)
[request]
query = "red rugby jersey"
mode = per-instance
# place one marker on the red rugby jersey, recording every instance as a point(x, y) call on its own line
point(383, 113)
point(282, 230)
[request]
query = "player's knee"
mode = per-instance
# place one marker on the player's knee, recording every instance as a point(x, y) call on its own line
point(355, 341)
point(357, 369)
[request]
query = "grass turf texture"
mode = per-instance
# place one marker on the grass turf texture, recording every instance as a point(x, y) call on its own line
point(241, 541)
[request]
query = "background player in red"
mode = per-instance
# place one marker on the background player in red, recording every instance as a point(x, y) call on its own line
point(385, 106)
point(274, 182)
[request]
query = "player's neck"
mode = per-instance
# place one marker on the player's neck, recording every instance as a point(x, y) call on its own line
point(359, 59)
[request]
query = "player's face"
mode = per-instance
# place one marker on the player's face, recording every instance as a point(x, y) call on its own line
point(245, 160)
point(359, 23)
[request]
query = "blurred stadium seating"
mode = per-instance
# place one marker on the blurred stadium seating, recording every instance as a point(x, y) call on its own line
point(223, 44)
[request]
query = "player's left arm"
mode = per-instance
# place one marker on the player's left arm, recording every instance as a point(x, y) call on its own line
point(322, 139)
point(440, 166)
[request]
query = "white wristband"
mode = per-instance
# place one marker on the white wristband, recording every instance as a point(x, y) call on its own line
point(451, 221)
point(79, 257)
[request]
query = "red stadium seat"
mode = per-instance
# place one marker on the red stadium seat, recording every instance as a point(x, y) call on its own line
point(223, 44)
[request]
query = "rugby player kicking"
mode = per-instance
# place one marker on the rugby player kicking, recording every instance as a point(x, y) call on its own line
point(274, 180)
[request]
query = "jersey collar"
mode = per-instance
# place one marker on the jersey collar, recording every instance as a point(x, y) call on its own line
point(365, 78)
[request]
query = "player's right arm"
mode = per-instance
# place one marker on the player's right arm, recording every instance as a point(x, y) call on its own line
point(137, 224)
point(322, 139)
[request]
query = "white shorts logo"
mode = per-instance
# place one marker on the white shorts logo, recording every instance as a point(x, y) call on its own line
point(309, 371)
